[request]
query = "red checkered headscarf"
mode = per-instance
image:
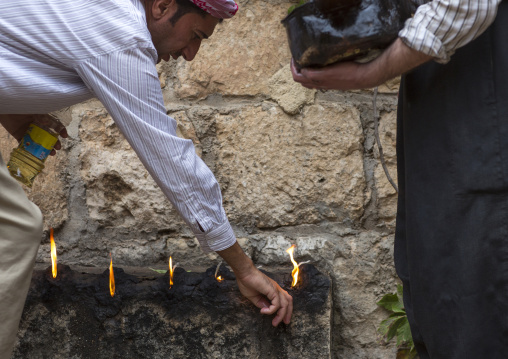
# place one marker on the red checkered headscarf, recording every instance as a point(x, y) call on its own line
point(222, 9)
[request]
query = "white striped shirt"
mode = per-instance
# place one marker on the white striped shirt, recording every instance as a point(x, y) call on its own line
point(440, 27)
point(56, 53)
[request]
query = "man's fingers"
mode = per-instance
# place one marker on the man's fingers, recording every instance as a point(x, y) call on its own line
point(262, 303)
point(298, 76)
point(281, 313)
point(289, 312)
point(273, 297)
point(58, 146)
point(282, 303)
point(310, 79)
point(285, 311)
point(63, 133)
point(267, 295)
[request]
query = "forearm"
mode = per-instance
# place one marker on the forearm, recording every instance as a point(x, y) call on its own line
point(396, 60)
point(241, 264)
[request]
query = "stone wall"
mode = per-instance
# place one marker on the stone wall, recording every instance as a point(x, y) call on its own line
point(295, 166)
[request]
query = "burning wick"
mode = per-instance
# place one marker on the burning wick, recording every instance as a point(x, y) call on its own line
point(53, 252)
point(219, 278)
point(171, 271)
point(296, 270)
point(111, 277)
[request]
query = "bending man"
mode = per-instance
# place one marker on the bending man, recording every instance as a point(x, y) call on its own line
point(56, 53)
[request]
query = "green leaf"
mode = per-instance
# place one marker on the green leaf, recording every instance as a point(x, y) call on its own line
point(389, 302)
point(400, 291)
point(397, 325)
point(293, 7)
point(397, 314)
point(413, 353)
point(159, 270)
point(404, 333)
point(384, 326)
point(394, 328)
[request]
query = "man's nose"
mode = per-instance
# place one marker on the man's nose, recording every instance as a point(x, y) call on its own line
point(191, 50)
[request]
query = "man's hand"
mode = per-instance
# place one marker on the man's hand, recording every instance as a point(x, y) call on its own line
point(266, 294)
point(262, 291)
point(17, 125)
point(394, 61)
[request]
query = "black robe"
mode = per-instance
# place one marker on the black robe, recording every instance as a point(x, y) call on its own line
point(451, 242)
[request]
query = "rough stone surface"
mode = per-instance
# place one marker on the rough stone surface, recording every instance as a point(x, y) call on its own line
point(290, 95)
point(241, 56)
point(295, 166)
point(387, 196)
point(197, 317)
point(320, 153)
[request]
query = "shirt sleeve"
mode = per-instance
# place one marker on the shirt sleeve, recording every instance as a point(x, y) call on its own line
point(127, 84)
point(440, 27)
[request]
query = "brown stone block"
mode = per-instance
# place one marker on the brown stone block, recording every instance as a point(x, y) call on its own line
point(120, 191)
point(280, 170)
point(241, 56)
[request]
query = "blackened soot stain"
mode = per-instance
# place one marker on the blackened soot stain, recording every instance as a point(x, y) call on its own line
point(130, 325)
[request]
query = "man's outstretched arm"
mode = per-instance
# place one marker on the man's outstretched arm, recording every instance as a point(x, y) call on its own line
point(394, 61)
point(262, 291)
point(437, 29)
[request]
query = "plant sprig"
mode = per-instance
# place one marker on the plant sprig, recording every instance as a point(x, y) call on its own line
point(293, 7)
point(396, 325)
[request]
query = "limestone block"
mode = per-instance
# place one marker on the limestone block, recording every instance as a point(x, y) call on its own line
point(390, 86)
point(290, 95)
point(361, 267)
point(387, 196)
point(120, 191)
point(278, 170)
point(51, 190)
point(186, 129)
point(241, 56)
point(362, 275)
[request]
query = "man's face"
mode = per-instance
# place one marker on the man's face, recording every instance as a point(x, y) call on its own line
point(181, 39)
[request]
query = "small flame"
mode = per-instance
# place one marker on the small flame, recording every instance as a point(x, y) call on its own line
point(53, 252)
point(219, 278)
point(295, 271)
point(171, 270)
point(111, 277)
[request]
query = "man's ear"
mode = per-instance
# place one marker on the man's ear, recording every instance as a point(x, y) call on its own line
point(160, 8)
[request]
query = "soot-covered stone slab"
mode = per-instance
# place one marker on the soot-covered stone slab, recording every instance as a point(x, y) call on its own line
point(75, 317)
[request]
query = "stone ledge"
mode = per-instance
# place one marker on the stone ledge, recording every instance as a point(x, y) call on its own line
point(75, 317)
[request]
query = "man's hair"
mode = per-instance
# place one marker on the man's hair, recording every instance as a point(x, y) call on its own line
point(185, 7)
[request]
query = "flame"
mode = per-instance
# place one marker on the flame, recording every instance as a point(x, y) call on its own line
point(111, 277)
point(53, 252)
point(171, 269)
point(219, 278)
point(295, 271)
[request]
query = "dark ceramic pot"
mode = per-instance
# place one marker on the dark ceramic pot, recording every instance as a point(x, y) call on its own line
point(322, 32)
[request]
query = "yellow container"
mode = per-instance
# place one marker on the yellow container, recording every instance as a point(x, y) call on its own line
point(27, 160)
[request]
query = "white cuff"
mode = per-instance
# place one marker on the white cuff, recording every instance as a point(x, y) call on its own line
point(217, 239)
